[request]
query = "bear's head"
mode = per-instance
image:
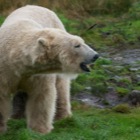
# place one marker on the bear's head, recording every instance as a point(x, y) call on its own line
point(63, 52)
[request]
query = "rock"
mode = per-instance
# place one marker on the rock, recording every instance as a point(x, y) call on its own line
point(134, 97)
point(117, 78)
point(138, 78)
point(111, 89)
point(134, 69)
point(118, 58)
point(118, 68)
point(122, 78)
point(88, 88)
point(88, 99)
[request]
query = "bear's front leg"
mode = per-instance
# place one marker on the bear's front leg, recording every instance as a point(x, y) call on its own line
point(40, 109)
point(63, 97)
point(4, 112)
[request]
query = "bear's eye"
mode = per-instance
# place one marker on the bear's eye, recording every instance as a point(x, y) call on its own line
point(78, 46)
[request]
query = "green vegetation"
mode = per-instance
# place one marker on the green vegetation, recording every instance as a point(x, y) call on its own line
point(96, 79)
point(137, 87)
point(86, 124)
point(122, 91)
point(1, 19)
point(122, 108)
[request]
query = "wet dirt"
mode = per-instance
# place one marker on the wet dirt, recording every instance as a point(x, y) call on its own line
point(121, 58)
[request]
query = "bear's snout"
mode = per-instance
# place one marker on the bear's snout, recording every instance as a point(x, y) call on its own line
point(85, 66)
point(95, 57)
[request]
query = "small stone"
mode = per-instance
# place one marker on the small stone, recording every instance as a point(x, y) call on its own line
point(134, 69)
point(118, 68)
point(134, 97)
point(118, 58)
point(111, 89)
point(138, 78)
point(88, 88)
point(117, 78)
point(106, 66)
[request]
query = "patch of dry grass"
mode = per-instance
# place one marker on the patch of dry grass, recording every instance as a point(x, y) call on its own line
point(73, 7)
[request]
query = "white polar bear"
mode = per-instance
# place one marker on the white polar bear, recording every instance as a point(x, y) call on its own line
point(34, 46)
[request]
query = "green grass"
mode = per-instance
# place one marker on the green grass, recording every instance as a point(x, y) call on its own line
point(86, 124)
point(2, 19)
point(122, 91)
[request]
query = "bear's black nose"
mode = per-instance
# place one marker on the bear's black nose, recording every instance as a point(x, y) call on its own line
point(96, 56)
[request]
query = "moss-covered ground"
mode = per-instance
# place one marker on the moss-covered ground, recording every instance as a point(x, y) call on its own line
point(86, 124)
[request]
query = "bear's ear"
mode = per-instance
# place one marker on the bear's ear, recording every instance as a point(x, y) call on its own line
point(44, 43)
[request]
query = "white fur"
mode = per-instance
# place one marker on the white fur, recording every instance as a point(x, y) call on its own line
point(25, 56)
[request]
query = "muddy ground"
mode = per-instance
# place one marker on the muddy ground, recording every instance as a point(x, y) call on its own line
point(130, 57)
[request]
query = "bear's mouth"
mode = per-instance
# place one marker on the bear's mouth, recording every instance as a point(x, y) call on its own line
point(86, 66)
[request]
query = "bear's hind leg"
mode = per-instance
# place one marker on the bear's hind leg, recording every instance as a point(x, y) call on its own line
point(4, 112)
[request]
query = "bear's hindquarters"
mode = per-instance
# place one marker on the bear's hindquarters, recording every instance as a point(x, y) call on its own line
point(4, 112)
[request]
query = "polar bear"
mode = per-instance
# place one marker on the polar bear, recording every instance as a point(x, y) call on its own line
point(45, 18)
point(36, 52)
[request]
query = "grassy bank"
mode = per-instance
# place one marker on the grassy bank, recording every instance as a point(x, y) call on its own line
point(86, 124)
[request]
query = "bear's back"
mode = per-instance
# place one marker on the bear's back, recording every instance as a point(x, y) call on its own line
point(40, 15)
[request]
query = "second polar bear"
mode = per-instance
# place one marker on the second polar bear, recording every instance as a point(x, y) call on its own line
point(36, 22)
